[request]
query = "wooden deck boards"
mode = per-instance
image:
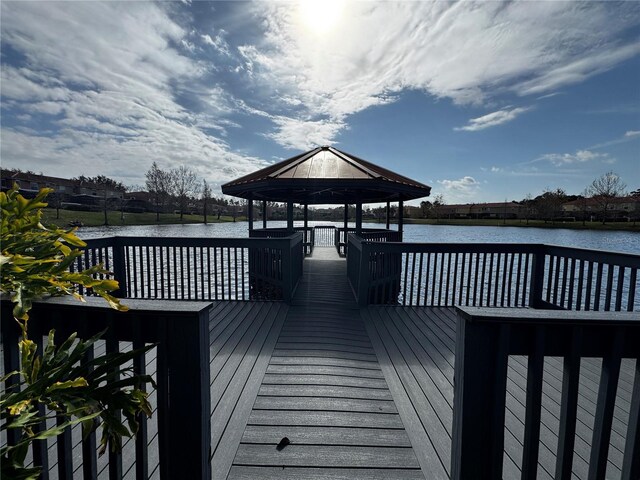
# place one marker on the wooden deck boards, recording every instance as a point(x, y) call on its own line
point(416, 348)
point(324, 390)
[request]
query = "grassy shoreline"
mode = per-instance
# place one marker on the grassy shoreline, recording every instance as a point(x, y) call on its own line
point(96, 219)
point(624, 226)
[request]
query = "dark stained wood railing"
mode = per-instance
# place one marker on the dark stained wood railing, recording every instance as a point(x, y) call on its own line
point(178, 443)
point(370, 234)
point(495, 275)
point(308, 238)
point(200, 268)
point(486, 337)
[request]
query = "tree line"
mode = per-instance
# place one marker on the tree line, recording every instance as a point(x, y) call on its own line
point(601, 194)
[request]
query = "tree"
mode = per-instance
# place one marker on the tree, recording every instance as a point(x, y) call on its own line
point(106, 184)
point(185, 185)
point(528, 206)
point(436, 206)
point(425, 207)
point(158, 185)
point(206, 196)
point(604, 189)
point(549, 204)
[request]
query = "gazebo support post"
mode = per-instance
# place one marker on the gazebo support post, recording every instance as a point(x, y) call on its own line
point(388, 215)
point(346, 225)
point(290, 217)
point(306, 238)
point(250, 214)
point(359, 219)
point(264, 214)
point(401, 218)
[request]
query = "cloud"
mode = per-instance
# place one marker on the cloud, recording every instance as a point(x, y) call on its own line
point(493, 119)
point(581, 156)
point(111, 87)
point(632, 133)
point(496, 169)
point(464, 51)
point(461, 189)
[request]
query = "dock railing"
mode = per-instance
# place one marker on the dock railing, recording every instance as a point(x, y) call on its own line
point(370, 234)
point(492, 275)
point(308, 238)
point(486, 337)
point(200, 268)
point(176, 440)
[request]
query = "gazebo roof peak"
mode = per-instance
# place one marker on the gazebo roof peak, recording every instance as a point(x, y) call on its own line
point(326, 175)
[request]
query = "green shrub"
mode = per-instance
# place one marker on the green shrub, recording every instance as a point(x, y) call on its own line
point(34, 262)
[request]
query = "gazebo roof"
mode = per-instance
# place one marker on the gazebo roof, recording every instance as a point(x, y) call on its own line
point(326, 175)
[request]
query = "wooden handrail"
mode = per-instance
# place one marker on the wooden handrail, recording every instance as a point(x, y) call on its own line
point(498, 274)
point(485, 339)
point(181, 330)
point(198, 268)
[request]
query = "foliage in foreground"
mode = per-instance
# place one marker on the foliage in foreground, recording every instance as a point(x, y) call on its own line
point(60, 382)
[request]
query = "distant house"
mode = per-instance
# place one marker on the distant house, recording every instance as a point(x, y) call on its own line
point(482, 210)
point(30, 183)
point(619, 208)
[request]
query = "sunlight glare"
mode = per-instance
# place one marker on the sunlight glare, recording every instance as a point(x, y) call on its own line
point(320, 16)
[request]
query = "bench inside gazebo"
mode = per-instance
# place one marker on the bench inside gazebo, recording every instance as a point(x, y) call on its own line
point(278, 360)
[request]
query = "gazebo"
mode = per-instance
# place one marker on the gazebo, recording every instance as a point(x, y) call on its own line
point(326, 175)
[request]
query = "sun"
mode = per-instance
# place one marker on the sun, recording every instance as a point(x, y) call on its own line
point(320, 16)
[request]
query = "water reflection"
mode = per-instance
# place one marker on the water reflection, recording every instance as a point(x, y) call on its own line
point(601, 240)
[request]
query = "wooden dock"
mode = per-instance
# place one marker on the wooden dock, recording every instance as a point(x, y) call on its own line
point(365, 393)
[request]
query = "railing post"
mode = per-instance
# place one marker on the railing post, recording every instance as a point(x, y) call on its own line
point(119, 267)
point(363, 275)
point(287, 271)
point(187, 440)
point(537, 278)
point(479, 400)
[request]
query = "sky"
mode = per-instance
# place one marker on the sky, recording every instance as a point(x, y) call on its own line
point(483, 101)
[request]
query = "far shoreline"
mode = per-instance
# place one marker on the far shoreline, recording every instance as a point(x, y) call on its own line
point(115, 218)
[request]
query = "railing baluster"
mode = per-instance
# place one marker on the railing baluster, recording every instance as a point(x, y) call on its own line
point(632, 290)
point(452, 292)
point(572, 283)
point(604, 408)
point(525, 276)
point(496, 287)
point(441, 281)
point(609, 289)
point(620, 288)
point(580, 285)
point(596, 304)
point(489, 277)
point(427, 280)
point(462, 284)
point(419, 285)
point(535, 370)
point(517, 292)
point(550, 277)
point(40, 451)
point(141, 441)
point(587, 299)
point(111, 345)
point(565, 270)
point(568, 407)
point(447, 292)
point(475, 282)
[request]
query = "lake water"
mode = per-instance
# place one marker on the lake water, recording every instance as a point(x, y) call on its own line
point(601, 240)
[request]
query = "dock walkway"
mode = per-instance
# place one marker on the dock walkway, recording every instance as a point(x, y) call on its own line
point(365, 393)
